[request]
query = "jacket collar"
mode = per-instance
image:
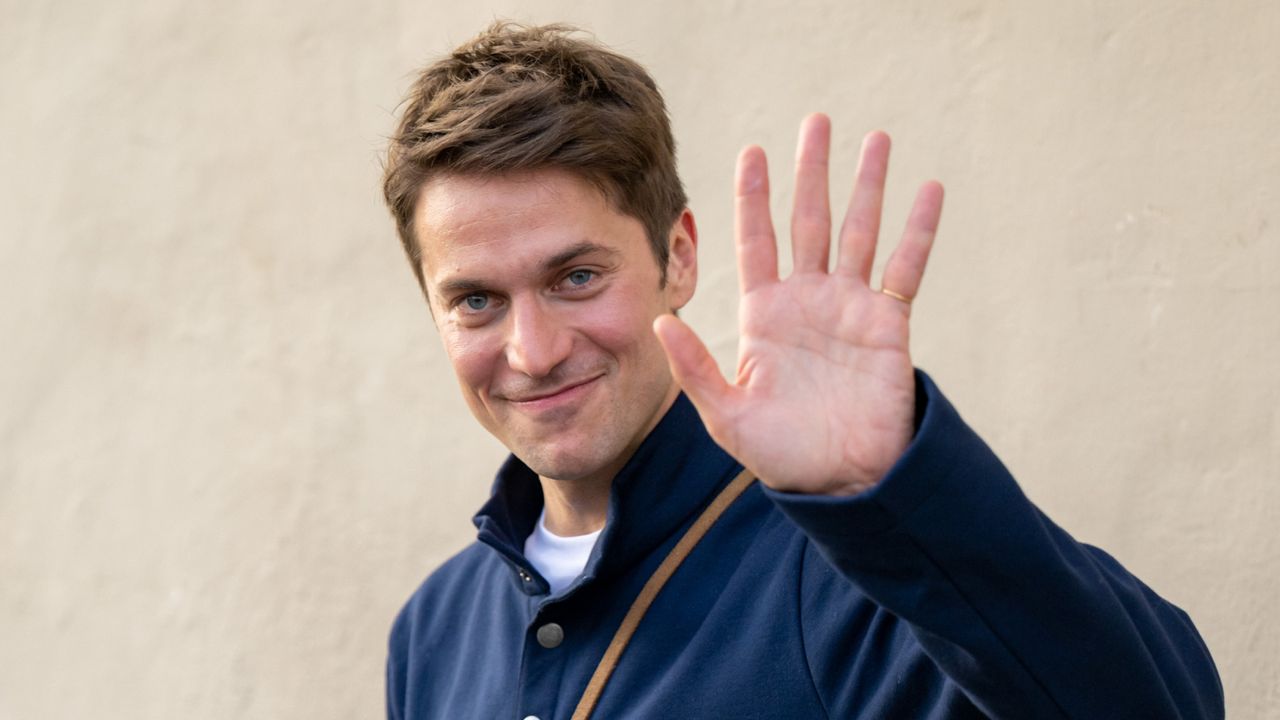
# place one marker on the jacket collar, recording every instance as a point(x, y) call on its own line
point(674, 473)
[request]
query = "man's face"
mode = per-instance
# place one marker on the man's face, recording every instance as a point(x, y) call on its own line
point(545, 297)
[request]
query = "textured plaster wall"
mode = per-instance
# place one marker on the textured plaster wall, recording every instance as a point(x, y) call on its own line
point(230, 444)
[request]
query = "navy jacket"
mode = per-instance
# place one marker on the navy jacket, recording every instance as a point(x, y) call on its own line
point(940, 593)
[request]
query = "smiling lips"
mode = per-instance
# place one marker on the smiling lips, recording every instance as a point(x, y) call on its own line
point(553, 398)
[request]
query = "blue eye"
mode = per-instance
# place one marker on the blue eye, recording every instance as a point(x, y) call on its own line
point(580, 277)
point(476, 302)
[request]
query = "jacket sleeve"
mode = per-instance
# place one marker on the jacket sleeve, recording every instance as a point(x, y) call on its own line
point(1025, 620)
point(397, 651)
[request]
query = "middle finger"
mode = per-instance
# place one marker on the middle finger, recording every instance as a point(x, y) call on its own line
point(811, 211)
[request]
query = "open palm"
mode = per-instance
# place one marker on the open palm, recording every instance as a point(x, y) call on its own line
point(824, 396)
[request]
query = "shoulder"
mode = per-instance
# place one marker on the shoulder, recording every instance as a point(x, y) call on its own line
point(445, 593)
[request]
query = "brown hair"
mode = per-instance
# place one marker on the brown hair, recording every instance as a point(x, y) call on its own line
point(528, 98)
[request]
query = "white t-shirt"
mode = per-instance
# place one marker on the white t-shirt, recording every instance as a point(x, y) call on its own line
point(559, 559)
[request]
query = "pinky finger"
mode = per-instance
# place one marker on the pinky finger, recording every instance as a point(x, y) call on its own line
point(905, 268)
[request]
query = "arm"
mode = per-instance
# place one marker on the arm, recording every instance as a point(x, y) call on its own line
point(930, 526)
point(397, 652)
point(1028, 622)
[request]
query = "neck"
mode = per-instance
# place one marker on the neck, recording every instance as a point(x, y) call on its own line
point(578, 507)
point(575, 507)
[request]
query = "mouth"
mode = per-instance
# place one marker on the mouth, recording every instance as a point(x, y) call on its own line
point(553, 398)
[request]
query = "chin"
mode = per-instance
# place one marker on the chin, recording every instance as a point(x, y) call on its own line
point(568, 465)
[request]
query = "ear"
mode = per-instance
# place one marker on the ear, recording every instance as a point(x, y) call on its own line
point(682, 260)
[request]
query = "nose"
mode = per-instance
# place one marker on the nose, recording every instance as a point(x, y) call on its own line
point(536, 342)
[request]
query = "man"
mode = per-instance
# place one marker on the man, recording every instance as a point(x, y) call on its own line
point(884, 566)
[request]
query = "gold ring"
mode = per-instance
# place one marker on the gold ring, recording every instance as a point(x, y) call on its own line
point(896, 296)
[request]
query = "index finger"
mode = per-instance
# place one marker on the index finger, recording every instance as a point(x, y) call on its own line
point(753, 225)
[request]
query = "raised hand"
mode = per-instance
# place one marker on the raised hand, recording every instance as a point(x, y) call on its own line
point(824, 396)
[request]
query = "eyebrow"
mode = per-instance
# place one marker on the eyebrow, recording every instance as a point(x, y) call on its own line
point(573, 252)
point(460, 285)
point(467, 285)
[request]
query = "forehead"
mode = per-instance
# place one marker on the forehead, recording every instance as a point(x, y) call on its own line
point(472, 224)
point(456, 205)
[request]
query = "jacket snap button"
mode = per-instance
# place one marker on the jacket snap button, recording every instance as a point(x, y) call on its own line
point(550, 635)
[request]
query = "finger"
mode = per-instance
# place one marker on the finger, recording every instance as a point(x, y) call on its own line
point(862, 219)
point(906, 266)
point(757, 248)
point(811, 211)
point(694, 368)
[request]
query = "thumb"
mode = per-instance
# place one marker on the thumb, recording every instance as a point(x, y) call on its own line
point(694, 368)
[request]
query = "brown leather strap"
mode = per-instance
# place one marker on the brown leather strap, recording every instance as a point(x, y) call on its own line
point(651, 588)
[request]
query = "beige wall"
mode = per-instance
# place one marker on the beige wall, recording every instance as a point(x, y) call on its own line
point(230, 445)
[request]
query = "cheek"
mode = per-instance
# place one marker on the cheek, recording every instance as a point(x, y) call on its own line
point(473, 357)
point(621, 325)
